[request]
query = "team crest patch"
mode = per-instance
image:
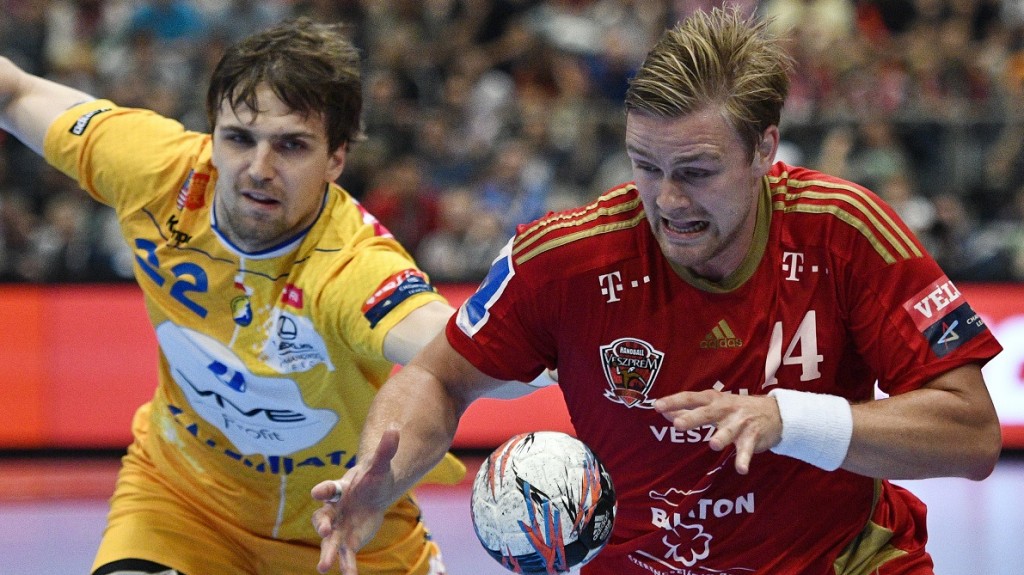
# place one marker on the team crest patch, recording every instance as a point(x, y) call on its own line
point(630, 366)
point(241, 310)
point(393, 291)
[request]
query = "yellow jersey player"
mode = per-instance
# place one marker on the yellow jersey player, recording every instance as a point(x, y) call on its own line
point(279, 304)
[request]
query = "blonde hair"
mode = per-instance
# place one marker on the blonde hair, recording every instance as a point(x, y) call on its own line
point(721, 58)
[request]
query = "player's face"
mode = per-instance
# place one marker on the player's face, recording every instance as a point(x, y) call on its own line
point(699, 186)
point(272, 169)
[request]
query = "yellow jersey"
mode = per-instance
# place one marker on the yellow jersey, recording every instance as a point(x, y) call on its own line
point(268, 361)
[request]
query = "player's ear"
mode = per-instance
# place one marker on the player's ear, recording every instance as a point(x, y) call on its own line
point(336, 163)
point(767, 146)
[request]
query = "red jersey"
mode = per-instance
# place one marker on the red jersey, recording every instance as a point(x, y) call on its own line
point(835, 294)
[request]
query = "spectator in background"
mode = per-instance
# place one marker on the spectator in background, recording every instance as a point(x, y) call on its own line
point(823, 22)
point(441, 144)
point(866, 152)
point(463, 245)
point(172, 23)
point(143, 65)
point(1011, 229)
point(516, 185)
point(955, 241)
point(946, 73)
point(60, 248)
point(23, 34)
point(74, 32)
point(915, 210)
point(878, 153)
point(237, 19)
point(404, 202)
point(17, 225)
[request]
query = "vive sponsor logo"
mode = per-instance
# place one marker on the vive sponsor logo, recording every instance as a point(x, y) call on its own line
point(257, 414)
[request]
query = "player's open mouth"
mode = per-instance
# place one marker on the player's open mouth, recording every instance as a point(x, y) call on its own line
point(686, 228)
point(260, 198)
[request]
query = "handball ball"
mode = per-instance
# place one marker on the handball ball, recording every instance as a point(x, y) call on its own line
point(542, 503)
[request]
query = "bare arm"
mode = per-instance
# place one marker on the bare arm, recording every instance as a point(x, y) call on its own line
point(29, 104)
point(948, 427)
point(410, 427)
point(414, 332)
point(418, 328)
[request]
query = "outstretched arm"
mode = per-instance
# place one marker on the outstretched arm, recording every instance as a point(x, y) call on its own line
point(416, 330)
point(29, 104)
point(410, 427)
point(948, 427)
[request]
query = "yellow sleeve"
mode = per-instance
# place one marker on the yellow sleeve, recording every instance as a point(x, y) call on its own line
point(122, 156)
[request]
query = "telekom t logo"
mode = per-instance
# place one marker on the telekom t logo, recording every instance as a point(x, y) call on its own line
point(792, 264)
point(611, 285)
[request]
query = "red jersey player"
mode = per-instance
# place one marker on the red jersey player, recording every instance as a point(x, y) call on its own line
point(718, 327)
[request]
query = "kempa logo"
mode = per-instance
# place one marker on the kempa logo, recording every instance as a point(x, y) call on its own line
point(721, 336)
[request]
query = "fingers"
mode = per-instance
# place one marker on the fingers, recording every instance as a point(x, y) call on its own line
point(328, 553)
point(347, 513)
point(337, 492)
point(684, 400)
point(327, 491)
point(688, 409)
point(744, 453)
point(746, 422)
point(323, 520)
point(331, 550)
point(347, 562)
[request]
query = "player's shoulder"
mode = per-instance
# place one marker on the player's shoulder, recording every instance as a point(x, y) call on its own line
point(601, 228)
point(820, 207)
point(346, 238)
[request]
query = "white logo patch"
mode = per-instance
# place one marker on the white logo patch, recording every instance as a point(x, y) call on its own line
point(293, 345)
point(259, 415)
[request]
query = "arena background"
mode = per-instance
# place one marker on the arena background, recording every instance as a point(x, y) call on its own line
point(469, 101)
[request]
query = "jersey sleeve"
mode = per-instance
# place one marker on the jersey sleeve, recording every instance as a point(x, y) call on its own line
point(378, 285)
point(121, 155)
point(908, 319)
point(499, 329)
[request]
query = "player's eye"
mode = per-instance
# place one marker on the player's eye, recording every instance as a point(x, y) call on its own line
point(291, 145)
point(236, 137)
point(645, 167)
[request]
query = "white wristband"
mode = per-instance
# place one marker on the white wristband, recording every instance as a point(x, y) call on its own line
point(816, 427)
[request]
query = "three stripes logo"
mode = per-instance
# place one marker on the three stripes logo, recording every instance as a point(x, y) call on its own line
point(721, 336)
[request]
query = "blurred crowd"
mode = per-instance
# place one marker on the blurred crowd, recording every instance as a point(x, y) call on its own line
point(483, 114)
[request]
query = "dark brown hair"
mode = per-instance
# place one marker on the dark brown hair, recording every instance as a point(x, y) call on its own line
point(312, 67)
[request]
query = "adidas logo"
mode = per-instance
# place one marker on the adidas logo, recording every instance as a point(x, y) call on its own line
point(721, 336)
